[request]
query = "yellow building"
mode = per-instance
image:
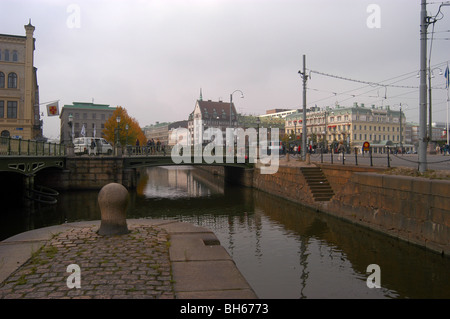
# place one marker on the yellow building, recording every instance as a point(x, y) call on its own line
point(19, 91)
point(351, 126)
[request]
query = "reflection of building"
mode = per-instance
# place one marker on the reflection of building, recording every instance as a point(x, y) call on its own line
point(349, 125)
point(19, 91)
point(88, 115)
point(173, 181)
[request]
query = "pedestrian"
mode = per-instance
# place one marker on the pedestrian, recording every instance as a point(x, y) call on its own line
point(92, 148)
point(137, 146)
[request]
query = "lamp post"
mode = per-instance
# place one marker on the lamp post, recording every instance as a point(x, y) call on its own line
point(401, 128)
point(118, 127)
point(70, 148)
point(118, 136)
point(126, 137)
point(231, 101)
point(258, 121)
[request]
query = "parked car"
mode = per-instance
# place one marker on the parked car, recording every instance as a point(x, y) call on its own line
point(82, 144)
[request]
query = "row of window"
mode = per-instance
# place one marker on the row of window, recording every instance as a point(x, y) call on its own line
point(394, 137)
point(335, 128)
point(93, 125)
point(85, 116)
point(5, 55)
point(12, 80)
point(11, 109)
point(319, 120)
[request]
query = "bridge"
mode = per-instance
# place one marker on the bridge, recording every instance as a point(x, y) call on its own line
point(41, 163)
point(27, 157)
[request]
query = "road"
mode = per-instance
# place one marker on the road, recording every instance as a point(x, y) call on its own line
point(435, 162)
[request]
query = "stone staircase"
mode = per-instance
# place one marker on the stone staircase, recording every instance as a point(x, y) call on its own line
point(318, 183)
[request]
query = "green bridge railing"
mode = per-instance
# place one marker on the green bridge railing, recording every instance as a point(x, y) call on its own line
point(14, 147)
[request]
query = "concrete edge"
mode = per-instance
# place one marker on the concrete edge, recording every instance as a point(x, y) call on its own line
point(201, 267)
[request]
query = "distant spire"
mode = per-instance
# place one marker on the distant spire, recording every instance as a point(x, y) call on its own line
point(201, 97)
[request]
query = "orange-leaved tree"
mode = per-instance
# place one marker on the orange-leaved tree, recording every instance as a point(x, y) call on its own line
point(113, 129)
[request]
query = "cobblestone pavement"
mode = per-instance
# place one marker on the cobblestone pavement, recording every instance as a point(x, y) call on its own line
point(131, 266)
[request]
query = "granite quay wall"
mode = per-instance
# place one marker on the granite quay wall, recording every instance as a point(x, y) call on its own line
point(83, 173)
point(413, 209)
point(410, 208)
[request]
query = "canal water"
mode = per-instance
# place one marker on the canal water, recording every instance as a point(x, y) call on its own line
point(283, 249)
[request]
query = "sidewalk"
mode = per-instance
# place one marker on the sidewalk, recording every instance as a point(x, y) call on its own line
point(157, 259)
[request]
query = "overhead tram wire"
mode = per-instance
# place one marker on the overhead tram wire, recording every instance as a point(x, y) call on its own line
point(377, 85)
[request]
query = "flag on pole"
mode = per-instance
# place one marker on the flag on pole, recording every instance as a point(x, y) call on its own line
point(83, 131)
point(447, 77)
point(53, 109)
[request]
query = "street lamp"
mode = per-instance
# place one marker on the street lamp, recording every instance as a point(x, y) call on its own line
point(401, 129)
point(258, 121)
point(71, 127)
point(231, 101)
point(126, 138)
point(118, 128)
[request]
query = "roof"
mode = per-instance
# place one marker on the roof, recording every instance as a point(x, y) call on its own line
point(90, 106)
point(212, 109)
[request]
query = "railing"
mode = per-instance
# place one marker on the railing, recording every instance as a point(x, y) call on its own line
point(390, 157)
point(13, 147)
point(130, 150)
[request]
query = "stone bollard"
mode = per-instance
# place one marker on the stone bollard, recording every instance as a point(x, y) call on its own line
point(113, 200)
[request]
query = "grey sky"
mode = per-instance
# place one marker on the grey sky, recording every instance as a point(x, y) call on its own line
point(152, 57)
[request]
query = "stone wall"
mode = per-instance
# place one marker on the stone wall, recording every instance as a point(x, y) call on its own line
point(411, 208)
point(83, 173)
point(287, 183)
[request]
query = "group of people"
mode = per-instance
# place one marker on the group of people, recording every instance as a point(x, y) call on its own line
point(443, 149)
point(152, 147)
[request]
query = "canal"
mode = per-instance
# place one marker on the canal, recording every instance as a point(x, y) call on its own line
point(283, 249)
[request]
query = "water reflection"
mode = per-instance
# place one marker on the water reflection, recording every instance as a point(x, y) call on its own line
point(283, 249)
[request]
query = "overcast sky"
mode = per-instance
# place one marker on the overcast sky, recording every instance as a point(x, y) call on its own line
point(152, 57)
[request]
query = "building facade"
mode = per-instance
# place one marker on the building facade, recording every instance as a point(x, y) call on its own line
point(83, 118)
point(351, 126)
point(19, 90)
point(212, 114)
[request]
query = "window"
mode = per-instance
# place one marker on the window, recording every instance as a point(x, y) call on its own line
point(2, 80)
point(0, 54)
point(94, 116)
point(6, 55)
point(84, 116)
point(12, 80)
point(12, 109)
point(2, 109)
point(14, 56)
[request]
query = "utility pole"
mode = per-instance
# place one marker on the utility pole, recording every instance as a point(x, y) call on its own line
point(305, 78)
point(423, 89)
